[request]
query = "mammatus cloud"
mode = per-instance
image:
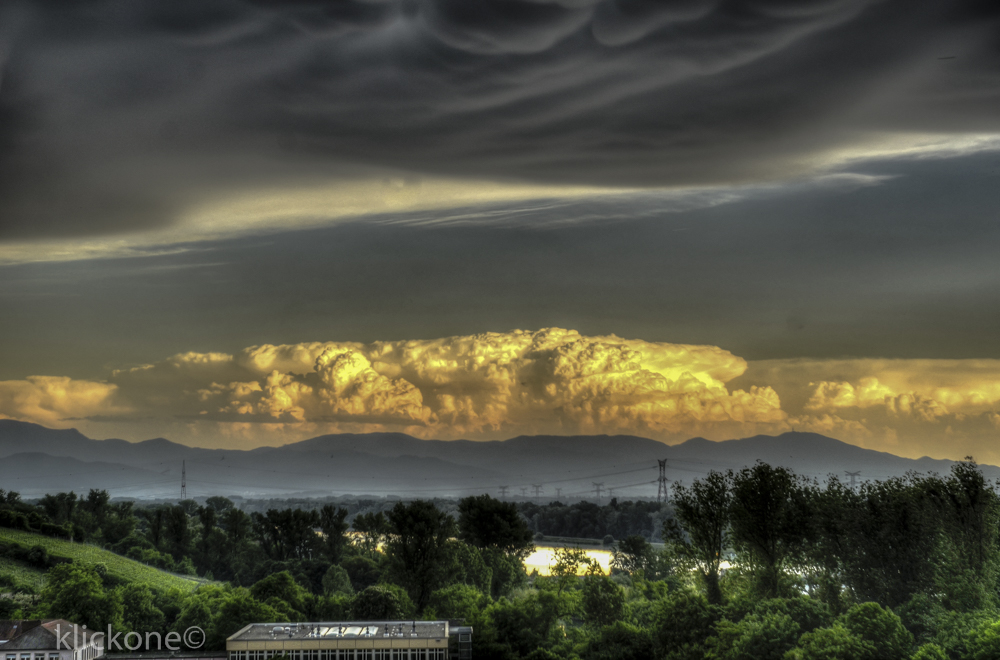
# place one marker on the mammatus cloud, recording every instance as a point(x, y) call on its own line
point(497, 385)
point(124, 118)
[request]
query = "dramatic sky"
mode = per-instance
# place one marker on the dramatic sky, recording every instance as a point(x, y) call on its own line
point(246, 222)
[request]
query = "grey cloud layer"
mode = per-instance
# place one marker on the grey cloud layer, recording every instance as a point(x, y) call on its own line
point(115, 115)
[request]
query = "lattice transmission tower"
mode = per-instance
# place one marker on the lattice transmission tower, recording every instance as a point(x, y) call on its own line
point(661, 483)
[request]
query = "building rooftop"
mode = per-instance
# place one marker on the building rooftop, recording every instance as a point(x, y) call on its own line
point(40, 635)
point(342, 630)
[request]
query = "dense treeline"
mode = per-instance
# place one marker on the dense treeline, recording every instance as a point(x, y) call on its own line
point(755, 564)
point(588, 520)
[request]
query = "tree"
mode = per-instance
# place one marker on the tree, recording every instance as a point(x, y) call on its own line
point(333, 524)
point(372, 530)
point(681, 624)
point(969, 516)
point(881, 629)
point(74, 592)
point(506, 571)
point(364, 572)
point(486, 522)
point(755, 637)
point(569, 563)
point(620, 641)
point(417, 548)
point(834, 643)
point(525, 625)
point(284, 588)
point(883, 538)
point(337, 581)
point(771, 521)
point(375, 603)
point(176, 532)
point(139, 612)
point(933, 652)
point(603, 601)
point(458, 601)
point(236, 610)
point(632, 554)
point(698, 535)
point(465, 564)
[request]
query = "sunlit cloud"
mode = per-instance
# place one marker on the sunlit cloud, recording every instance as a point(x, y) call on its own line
point(412, 201)
point(914, 407)
point(551, 381)
point(480, 386)
point(56, 400)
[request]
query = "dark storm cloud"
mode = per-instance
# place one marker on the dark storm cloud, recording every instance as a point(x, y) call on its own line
point(116, 115)
point(892, 270)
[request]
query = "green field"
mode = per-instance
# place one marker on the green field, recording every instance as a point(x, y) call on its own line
point(118, 566)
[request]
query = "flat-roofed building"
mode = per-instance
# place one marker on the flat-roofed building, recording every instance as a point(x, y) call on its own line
point(342, 640)
point(47, 639)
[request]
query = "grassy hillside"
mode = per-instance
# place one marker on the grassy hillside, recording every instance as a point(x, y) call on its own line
point(118, 566)
point(22, 573)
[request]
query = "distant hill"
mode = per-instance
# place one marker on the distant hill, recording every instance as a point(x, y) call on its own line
point(35, 460)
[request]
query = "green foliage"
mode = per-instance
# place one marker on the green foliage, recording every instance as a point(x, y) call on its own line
point(771, 522)
point(75, 592)
point(881, 539)
point(220, 611)
point(372, 531)
point(954, 631)
point(682, 622)
point(336, 607)
point(985, 642)
point(333, 524)
point(620, 641)
point(376, 602)
point(121, 568)
point(931, 652)
point(363, 572)
point(881, 629)
point(506, 571)
point(457, 601)
point(139, 610)
point(336, 580)
point(632, 554)
point(465, 565)
point(698, 535)
point(603, 601)
point(569, 563)
point(968, 513)
point(834, 643)
point(921, 615)
point(489, 523)
point(756, 637)
point(283, 587)
point(807, 613)
point(418, 548)
point(526, 624)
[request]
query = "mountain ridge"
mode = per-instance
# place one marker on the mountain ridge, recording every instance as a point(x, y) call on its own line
point(383, 464)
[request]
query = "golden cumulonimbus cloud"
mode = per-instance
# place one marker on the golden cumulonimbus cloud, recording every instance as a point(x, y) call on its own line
point(550, 381)
point(481, 386)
